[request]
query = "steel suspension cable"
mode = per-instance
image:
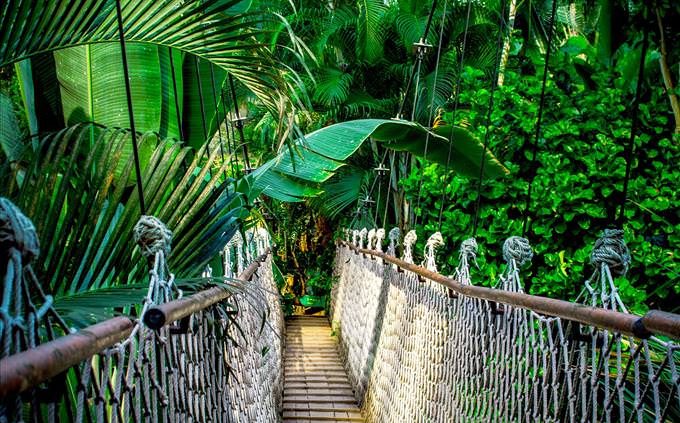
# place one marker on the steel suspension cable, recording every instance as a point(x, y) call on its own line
point(239, 125)
point(200, 98)
point(429, 120)
point(131, 116)
point(178, 112)
point(456, 102)
point(227, 128)
point(494, 82)
point(534, 146)
point(217, 114)
point(415, 64)
point(634, 125)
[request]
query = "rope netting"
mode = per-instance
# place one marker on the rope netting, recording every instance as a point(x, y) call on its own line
point(221, 365)
point(415, 351)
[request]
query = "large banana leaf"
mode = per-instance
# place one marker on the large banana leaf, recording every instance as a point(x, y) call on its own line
point(212, 30)
point(84, 219)
point(321, 153)
point(195, 115)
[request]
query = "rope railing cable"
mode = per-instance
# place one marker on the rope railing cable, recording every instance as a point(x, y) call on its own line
point(630, 149)
point(456, 102)
point(539, 119)
point(128, 94)
point(429, 120)
point(494, 82)
point(239, 124)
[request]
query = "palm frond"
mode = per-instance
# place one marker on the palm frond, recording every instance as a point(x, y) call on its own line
point(84, 212)
point(370, 33)
point(333, 86)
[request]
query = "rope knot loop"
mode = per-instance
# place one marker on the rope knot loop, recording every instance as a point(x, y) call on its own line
point(362, 237)
point(518, 249)
point(433, 242)
point(409, 240)
point(468, 250)
point(17, 231)
point(611, 249)
point(371, 238)
point(152, 236)
point(379, 237)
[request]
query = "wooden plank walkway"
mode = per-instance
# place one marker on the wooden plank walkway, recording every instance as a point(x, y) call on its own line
point(316, 388)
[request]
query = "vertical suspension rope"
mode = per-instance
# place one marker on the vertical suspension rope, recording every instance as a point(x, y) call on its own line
point(226, 129)
point(539, 118)
point(197, 70)
point(217, 114)
point(175, 92)
point(634, 125)
point(128, 94)
point(239, 124)
point(494, 81)
point(456, 102)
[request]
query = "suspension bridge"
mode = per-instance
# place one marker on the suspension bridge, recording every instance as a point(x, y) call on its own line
point(403, 343)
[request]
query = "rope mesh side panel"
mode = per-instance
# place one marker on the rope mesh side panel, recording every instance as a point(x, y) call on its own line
point(225, 367)
point(435, 358)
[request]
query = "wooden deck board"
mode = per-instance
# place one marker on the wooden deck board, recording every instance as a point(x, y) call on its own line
point(316, 387)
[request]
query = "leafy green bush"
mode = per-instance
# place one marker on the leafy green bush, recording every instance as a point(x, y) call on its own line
point(577, 189)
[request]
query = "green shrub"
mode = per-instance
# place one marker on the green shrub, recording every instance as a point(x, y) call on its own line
point(577, 189)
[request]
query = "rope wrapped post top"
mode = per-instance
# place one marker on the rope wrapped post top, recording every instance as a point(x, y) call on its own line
point(355, 237)
point(409, 240)
point(517, 249)
point(379, 237)
point(435, 241)
point(371, 238)
point(17, 231)
point(611, 249)
point(152, 236)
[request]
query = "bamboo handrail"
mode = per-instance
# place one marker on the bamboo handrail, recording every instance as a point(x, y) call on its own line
point(29, 368)
point(654, 322)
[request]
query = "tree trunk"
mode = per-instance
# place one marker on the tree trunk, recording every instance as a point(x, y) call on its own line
point(665, 71)
point(506, 44)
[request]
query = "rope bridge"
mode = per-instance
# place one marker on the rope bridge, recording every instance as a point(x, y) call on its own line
point(419, 346)
point(416, 345)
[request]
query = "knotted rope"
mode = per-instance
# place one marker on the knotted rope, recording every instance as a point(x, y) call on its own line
point(379, 237)
point(394, 236)
point(611, 249)
point(17, 231)
point(517, 249)
point(409, 240)
point(432, 244)
point(468, 251)
point(371, 238)
point(152, 236)
point(467, 255)
point(362, 237)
